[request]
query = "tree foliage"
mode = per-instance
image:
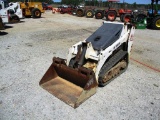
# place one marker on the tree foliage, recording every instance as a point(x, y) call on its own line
point(46, 1)
point(73, 2)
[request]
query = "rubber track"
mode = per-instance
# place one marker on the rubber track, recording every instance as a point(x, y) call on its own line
point(109, 64)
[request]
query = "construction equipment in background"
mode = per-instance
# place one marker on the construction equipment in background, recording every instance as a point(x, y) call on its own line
point(139, 18)
point(46, 6)
point(141, 24)
point(67, 9)
point(12, 7)
point(30, 8)
point(122, 13)
point(150, 20)
point(153, 18)
point(15, 6)
point(110, 13)
point(87, 11)
point(92, 62)
point(7, 15)
point(135, 15)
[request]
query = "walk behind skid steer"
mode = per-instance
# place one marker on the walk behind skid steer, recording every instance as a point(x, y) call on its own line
point(92, 62)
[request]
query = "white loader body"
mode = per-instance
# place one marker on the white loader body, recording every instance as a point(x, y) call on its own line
point(102, 55)
point(16, 8)
point(8, 12)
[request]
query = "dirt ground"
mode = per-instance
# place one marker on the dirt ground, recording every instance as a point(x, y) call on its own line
point(26, 52)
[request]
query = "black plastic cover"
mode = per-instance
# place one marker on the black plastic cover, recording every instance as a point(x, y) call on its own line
point(105, 36)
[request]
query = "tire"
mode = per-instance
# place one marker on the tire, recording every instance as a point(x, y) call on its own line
point(99, 15)
point(1, 24)
point(14, 19)
point(156, 23)
point(111, 16)
point(80, 12)
point(127, 18)
point(36, 13)
point(89, 14)
point(140, 17)
point(62, 12)
point(121, 17)
point(59, 9)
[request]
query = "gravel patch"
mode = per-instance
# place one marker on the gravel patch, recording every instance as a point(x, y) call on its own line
point(26, 52)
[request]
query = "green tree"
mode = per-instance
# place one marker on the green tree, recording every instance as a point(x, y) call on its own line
point(74, 2)
point(135, 5)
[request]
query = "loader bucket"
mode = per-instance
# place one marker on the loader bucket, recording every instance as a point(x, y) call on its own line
point(72, 86)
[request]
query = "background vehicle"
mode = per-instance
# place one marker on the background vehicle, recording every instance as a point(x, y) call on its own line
point(153, 18)
point(12, 7)
point(111, 13)
point(16, 8)
point(92, 62)
point(46, 6)
point(7, 15)
point(33, 9)
point(123, 12)
point(87, 11)
point(67, 9)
